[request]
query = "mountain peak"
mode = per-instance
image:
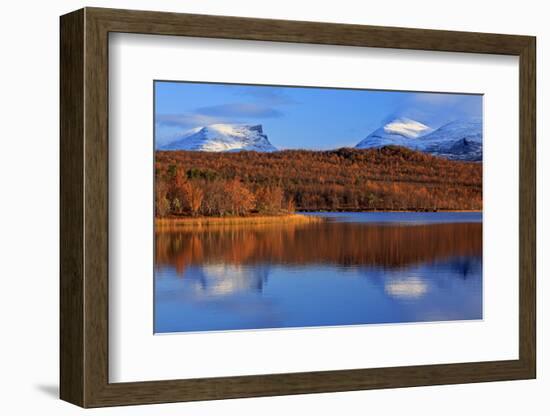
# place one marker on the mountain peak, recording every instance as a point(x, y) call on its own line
point(406, 127)
point(459, 139)
point(399, 132)
point(223, 138)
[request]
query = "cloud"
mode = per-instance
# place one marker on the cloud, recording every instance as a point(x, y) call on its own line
point(268, 95)
point(224, 113)
point(243, 110)
point(170, 126)
point(435, 109)
point(186, 120)
point(438, 98)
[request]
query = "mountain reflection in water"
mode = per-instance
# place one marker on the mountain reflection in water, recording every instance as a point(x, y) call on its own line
point(300, 275)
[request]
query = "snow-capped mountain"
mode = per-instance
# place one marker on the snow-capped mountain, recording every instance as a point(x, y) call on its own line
point(222, 138)
point(399, 132)
point(457, 140)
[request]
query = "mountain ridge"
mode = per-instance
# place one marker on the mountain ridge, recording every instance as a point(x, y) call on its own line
point(400, 131)
point(459, 139)
point(223, 138)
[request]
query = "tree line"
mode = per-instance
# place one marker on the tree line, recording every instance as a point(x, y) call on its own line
point(243, 183)
point(180, 192)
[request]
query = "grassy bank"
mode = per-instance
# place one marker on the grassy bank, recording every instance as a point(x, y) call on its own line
point(177, 222)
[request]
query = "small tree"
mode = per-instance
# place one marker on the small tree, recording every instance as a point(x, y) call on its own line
point(172, 171)
point(163, 207)
point(269, 200)
point(290, 205)
point(215, 199)
point(242, 201)
point(194, 196)
point(177, 206)
point(371, 200)
point(162, 203)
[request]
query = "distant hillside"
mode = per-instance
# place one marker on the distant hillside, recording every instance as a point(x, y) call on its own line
point(387, 178)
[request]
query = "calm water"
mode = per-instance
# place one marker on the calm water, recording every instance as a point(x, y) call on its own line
point(356, 268)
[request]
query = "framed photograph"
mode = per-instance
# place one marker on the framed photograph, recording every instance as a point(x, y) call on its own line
point(257, 207)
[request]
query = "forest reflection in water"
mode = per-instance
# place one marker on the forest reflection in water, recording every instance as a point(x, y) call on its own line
point(331, 273)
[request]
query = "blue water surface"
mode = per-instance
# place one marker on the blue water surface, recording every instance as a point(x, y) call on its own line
point(402, 217)
point(357, 269)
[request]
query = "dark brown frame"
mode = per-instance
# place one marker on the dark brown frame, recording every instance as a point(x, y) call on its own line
point(84, 209)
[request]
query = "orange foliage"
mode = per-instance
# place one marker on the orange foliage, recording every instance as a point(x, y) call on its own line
point(391, 178)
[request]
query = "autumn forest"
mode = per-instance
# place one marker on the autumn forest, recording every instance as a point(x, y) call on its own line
point(245, 183)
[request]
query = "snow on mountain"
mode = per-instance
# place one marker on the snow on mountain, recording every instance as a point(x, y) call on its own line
point(223, 138)
point(399, 132)
point(457, 140)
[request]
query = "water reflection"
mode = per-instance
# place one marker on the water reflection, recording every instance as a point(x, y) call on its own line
point(226, 279)
point(406, 287)
point(334, 273)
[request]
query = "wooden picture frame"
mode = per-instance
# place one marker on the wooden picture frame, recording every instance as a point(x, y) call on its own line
point(84, 207)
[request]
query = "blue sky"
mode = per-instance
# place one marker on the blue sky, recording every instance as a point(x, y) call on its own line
point(296, 117)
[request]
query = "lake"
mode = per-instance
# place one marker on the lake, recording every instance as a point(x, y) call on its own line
point(353, 269)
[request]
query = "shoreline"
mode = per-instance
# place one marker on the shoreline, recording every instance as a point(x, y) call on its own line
point(420, 211)
point(298, 218)
point(176, 222)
